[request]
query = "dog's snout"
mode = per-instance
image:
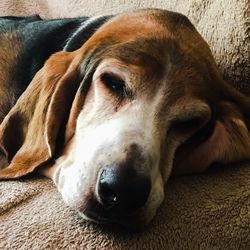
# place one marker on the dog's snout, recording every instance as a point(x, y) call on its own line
point(122, 189)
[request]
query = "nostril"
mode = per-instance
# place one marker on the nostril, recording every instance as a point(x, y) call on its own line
point(107, 195)
point(124, 190)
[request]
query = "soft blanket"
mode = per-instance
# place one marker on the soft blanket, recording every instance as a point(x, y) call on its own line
point(207, 211)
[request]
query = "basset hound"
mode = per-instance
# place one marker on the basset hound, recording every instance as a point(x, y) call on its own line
point(108, 107)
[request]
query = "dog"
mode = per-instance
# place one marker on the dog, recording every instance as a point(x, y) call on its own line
point(109, 107)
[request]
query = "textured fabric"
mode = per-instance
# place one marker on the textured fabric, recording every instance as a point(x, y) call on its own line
point(207, 211)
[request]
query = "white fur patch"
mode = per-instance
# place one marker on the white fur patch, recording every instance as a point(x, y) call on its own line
point(102, 140)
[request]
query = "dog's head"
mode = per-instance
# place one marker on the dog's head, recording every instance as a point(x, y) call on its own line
point(140, 99)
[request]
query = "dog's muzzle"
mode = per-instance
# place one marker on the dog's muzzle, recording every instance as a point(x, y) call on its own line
point(121, 188)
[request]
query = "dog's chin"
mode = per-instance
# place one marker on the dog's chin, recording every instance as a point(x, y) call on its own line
point(88, 207)
point(137, 221)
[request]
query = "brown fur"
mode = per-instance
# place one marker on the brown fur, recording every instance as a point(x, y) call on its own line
point(35, 117)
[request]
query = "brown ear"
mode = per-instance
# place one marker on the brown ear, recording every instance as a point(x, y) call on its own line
point(29, 132)
point(228, 140)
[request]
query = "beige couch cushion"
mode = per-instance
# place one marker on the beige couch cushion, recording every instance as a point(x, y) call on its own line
point(207, 211)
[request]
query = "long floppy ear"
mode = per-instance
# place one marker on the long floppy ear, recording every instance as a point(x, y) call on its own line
point(227, 139)
point(28, 134)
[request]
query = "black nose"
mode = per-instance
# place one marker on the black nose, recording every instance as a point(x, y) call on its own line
point(122, 189)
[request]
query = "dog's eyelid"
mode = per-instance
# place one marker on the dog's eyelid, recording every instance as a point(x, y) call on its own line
point(114, 83)
point(111, 76)
point(186, 124)
point(189, 116)
point(189, 122)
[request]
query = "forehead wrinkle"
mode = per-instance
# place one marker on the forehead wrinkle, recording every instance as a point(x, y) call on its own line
point(141, 49)
point(142, 58)
point(152, 55)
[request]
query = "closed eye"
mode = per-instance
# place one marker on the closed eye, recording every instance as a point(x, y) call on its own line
point(115, 84)
point(186, 125)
